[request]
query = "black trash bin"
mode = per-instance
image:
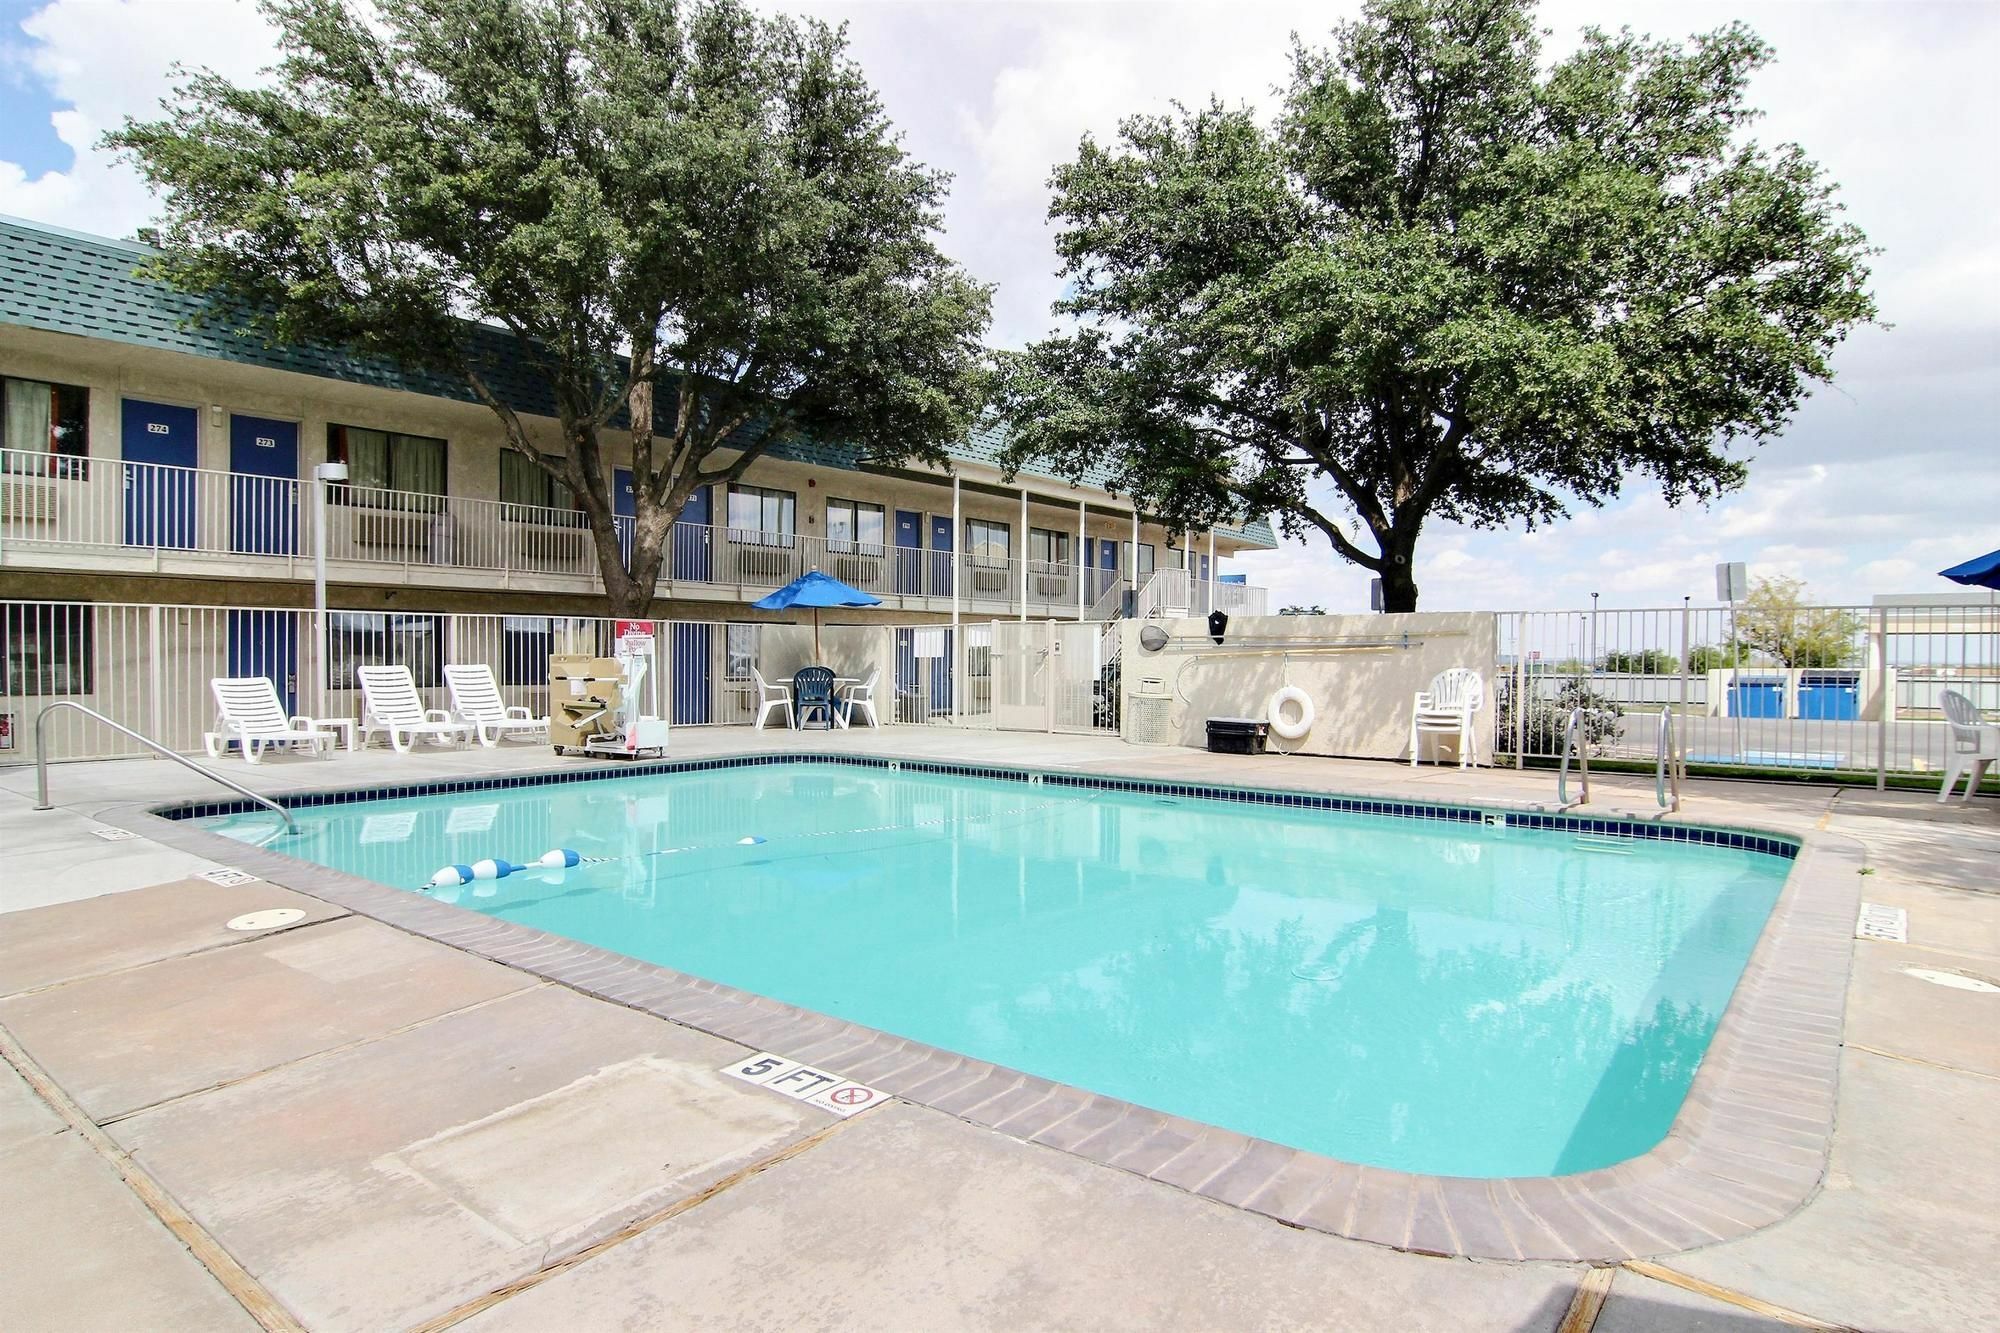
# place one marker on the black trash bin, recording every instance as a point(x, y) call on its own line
point(1238, 735)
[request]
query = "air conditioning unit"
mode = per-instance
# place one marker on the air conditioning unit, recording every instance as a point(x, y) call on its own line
point(27, 501)
point(770, 563)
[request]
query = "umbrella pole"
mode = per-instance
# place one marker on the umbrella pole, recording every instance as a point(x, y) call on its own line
point(818, 660)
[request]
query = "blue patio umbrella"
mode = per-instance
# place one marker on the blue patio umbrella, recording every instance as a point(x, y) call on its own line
point(1979, 572)
point(815, 590)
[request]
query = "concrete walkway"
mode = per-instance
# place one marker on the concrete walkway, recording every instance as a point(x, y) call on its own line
point(355, 1128)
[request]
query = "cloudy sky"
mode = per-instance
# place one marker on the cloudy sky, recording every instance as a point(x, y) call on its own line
point(1883, 478)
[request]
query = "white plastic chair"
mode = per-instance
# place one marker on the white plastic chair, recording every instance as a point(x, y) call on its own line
point(1970, 748)
point(248, 713)
point(395, 707)
point(1446, 709)
point(475, 695)
point(770, 698)
point(862, 696)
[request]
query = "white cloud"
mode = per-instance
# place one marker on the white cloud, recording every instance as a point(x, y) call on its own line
point(101, 61)
point(1882, 479)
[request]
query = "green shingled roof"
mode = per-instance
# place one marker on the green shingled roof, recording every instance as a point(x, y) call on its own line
point(70, 282)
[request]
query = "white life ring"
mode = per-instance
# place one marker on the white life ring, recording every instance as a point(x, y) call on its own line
point(1274, 712)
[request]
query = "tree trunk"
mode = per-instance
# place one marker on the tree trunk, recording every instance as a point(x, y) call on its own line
point(1399, 580)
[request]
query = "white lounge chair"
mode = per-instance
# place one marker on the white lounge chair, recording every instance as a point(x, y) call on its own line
point(476, 697)
point(394, 706)
point(862, 696)
point(771, 698)
point(1446, 709)
point(249, 714)
point(1970, 747)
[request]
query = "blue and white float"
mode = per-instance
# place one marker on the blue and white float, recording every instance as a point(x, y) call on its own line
point(560, 858)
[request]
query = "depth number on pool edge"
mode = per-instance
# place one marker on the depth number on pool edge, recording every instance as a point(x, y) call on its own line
point(803, 1083)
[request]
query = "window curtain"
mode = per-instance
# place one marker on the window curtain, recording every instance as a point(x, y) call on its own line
point(28, 415)
point(367, 458)
point(417, 464)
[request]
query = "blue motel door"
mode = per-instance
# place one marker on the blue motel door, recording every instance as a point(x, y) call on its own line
point(263, 486)
point(158, 443)
point(265, 643)
point(623, 507)
point(693, 556)
point(940, 563)
point(909, 552)
point(690, 649)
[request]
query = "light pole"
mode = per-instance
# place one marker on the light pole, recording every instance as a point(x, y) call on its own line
point(323, 475)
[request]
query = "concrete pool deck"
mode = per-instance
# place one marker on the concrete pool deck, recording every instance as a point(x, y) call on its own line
point(373, 1130)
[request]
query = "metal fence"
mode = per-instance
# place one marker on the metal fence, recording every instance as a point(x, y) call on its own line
point(150, 667)
point(1800, 691)
point(1838, 690)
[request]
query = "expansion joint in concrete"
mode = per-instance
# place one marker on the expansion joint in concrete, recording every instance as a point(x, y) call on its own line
point(634, 1229)
point(244, 1289)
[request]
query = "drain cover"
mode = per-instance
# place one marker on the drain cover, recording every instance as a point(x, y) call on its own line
point(1938, 976)
point(270, 919)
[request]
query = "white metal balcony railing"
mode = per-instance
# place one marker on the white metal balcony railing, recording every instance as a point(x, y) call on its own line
point(110, 514)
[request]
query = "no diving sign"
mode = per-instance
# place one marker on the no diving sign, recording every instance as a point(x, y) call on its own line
point(803, 1083)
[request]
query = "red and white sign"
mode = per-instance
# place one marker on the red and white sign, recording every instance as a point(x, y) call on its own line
point(6, 731)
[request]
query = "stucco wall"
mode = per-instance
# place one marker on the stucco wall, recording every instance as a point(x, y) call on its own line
point(1361, 672)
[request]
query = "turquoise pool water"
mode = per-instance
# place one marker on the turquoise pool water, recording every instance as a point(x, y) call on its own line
point(1404, 993)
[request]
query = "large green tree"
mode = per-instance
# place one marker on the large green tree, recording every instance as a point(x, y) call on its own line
point(696, 223)
point(1446, 283)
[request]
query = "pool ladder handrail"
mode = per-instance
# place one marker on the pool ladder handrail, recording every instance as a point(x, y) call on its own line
point(1573, 744)
point(1667, 765)
point(42, 761)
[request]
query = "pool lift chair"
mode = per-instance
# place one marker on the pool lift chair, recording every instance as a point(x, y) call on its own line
point(600, 714)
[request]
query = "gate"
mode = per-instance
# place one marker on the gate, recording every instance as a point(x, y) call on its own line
point(1051, 675)
point(1021, 675)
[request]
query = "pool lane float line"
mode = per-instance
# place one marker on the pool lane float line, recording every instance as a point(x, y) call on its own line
point(451, 876)
point(562, 858)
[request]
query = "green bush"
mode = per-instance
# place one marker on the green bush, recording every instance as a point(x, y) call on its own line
point(1542, 729)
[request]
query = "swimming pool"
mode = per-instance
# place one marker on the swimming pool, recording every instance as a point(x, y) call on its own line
point(1428, 995)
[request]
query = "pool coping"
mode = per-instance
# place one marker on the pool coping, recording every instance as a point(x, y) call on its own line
point(1748, 1147)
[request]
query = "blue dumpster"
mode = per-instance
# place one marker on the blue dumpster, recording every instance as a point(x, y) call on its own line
point(1830, 696)
point(1757, 696)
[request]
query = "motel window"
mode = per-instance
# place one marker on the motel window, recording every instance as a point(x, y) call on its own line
point(524, 484)
point(1048, 546)
point(987, 542)
point(763, 517)
point(854, 526)
point(525, 645)
point(45, 428)
point(739, 655)
point(387, 470)
point(47, 650)
point(359, 638)
point(1143, 568)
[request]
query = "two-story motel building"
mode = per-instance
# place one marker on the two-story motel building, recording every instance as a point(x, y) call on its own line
point(149, 462)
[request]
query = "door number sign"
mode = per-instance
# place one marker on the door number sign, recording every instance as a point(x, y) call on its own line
point(803, 1083)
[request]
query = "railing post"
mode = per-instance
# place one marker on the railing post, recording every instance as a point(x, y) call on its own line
point(154, 659)
point(1520, 691)
point(1881, 698)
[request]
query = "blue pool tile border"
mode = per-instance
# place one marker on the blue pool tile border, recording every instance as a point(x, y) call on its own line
point(1648, 830)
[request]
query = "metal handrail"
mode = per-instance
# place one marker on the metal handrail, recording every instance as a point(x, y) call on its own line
point(1667, 765)
point(1572, 743)
point(42, 761)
